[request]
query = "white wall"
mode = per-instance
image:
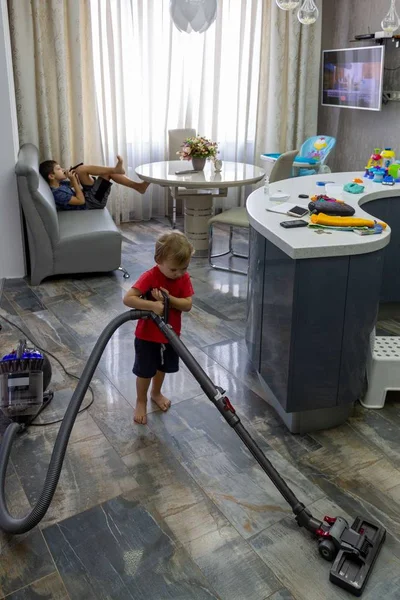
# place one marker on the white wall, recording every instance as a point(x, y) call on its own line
point(11, 246)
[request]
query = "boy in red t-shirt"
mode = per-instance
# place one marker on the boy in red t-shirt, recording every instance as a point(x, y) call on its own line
point(154, 356)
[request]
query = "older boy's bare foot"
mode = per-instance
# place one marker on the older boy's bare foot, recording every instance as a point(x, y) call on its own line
point(140, 415)
point(119, 167)
point(142, 187)
point(161, 401)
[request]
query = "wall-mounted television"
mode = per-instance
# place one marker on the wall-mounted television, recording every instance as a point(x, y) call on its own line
point(353, 77)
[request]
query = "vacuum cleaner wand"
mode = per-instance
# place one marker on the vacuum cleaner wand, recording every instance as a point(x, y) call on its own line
point(353, 549)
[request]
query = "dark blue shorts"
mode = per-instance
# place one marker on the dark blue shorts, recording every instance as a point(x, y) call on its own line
point(151, 357)
point(96, 195)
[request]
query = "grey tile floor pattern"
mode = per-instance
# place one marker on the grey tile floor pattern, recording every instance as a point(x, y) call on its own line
point(178, 509)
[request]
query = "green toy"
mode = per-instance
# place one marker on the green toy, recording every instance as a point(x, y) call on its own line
point(353, 188)
point(394, 170)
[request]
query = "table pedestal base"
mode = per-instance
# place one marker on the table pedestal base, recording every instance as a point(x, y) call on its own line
point(197, 212)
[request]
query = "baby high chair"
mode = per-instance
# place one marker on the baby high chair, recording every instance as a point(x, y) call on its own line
point(312, 156)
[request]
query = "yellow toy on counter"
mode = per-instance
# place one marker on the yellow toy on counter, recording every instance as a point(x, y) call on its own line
point(329, 221)
point(388, 157)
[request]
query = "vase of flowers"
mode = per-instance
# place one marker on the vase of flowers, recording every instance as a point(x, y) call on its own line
point(198, 150)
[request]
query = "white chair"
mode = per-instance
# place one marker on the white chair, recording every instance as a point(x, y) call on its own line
point(383, 370)
point(176, 137)
point(237, 217)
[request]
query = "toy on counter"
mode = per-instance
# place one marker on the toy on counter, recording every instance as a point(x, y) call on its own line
point(388, 157)
point(388, 180)
point(353, 188)
point(394, 169)
point(382, 167)
point(375, 159)
point(358, 180)
point(379, 174)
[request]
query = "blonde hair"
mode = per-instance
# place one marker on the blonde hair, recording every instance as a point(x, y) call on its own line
point(174, 246)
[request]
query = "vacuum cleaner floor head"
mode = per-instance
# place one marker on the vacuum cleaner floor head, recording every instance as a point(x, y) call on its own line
point(351, 570)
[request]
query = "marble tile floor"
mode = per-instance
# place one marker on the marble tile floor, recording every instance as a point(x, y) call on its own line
point(178, 509)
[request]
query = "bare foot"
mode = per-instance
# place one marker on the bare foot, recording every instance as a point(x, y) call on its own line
point(162, 402)
point(119, 167)
point(140, 415)
point(142, 187)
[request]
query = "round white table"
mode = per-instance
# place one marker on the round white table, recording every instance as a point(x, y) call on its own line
point(198, 190)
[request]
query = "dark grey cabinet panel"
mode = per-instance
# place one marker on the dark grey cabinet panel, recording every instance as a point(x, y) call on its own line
point(319, 310)
point(309, 323)
point(276, 325)
point(389, 211)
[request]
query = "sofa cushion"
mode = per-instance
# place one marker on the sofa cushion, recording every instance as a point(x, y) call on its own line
point(74, 224)
point(87, 238)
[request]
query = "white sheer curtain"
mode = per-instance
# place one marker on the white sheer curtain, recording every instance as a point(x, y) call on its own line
point(54, 79)
point(151, 78)
point(288, 99)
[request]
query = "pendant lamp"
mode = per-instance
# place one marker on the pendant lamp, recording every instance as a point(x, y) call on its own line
point(193, 15)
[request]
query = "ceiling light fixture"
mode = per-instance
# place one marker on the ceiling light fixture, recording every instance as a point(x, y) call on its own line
point(391, 22)
point(193, 15)
point(308, 12)
point(288, 4)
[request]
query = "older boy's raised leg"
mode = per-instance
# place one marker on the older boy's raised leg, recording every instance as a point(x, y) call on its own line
point(156, 395)
point(127, 182)
point(142, 387)
point(84, 172)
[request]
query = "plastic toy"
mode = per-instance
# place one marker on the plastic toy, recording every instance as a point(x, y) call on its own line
point(388, 180)
point(388, 156)
point(358, 180)
point(394, 169)
point(379, 174)
point(375, 159)
point(353, 188)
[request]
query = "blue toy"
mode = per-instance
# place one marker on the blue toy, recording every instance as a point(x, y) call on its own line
point(379, 174)
point(388, 180)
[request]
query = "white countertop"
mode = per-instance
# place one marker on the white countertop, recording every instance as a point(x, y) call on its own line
point(233, 174)
point(304, 242)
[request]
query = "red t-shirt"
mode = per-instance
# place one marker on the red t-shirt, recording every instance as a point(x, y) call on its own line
point(146, 329)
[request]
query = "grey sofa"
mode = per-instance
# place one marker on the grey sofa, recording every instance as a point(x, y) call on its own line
point(63, 242)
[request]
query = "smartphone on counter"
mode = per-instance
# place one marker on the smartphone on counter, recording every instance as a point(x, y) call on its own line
point(298, 211)
point(294, 224)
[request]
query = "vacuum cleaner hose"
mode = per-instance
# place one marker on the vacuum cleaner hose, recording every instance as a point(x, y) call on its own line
point(13, 525)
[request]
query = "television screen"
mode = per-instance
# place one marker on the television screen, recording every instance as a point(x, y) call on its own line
point(352, 78)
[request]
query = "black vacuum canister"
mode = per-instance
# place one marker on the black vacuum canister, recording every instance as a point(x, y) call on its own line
point(21, 382)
